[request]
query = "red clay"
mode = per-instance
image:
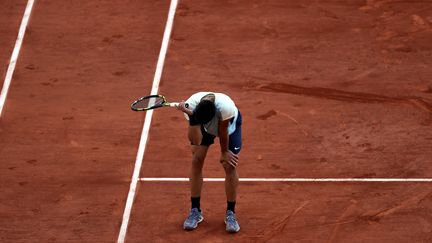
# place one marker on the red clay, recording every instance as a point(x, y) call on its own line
point(323, 94)
point(285, 212)
point(326, 89)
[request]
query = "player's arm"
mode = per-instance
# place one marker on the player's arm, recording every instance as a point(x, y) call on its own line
point(226, 155)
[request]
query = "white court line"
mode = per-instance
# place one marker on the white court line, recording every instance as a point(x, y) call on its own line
point(167, 179)
point(15, 53)
point(147, 121)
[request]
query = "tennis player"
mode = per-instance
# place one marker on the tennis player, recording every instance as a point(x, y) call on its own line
point(213, 115)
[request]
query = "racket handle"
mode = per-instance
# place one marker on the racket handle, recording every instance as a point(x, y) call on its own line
point(173, 104)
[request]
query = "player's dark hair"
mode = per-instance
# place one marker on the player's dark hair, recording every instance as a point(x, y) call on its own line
point(205, 111)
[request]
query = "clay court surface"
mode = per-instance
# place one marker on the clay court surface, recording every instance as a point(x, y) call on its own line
point(327, 89)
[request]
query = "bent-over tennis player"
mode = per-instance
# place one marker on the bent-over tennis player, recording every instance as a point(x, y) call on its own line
point(213, 115)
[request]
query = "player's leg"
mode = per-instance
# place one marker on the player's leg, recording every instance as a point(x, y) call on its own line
point(231, 185)
point(200, 142)
point(231, 175)
point(231, 182)
point(199, 153)
point(232, 179)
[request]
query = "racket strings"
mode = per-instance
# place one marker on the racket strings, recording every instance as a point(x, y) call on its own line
point(148, 102)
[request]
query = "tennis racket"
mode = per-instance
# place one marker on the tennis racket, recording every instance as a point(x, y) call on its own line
point(151, 102)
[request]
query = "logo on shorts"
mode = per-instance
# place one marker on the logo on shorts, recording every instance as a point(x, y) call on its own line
point(236, 148)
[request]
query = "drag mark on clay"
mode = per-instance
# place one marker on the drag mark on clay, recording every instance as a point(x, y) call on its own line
point(346, 96)
point(271, 113)
point(379, 214)
point(292, 119)
point(277, 227)
point(347, 211)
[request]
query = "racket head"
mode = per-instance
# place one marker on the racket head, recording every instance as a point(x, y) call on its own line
point(148, 102)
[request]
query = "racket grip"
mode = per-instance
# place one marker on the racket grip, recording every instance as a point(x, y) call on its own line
point(173, 104)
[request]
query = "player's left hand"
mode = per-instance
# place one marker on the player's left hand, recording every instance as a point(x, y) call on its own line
point(230, 158)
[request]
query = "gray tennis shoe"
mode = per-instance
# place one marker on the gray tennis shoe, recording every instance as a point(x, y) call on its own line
point(231, 223)
point(195, 217)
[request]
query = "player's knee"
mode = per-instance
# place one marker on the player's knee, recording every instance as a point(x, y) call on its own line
point(198, 159)
point(195, 141)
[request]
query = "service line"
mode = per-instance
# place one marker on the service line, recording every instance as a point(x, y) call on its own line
point(168, 179)
point(15, 53)
point(147, 122)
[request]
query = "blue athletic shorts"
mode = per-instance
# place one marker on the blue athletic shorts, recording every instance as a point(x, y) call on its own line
point(235, 139)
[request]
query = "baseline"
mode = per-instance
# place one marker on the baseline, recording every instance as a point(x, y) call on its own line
point(181, 179)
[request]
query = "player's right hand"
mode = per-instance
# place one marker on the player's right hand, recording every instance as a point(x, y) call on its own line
point(183, 106)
